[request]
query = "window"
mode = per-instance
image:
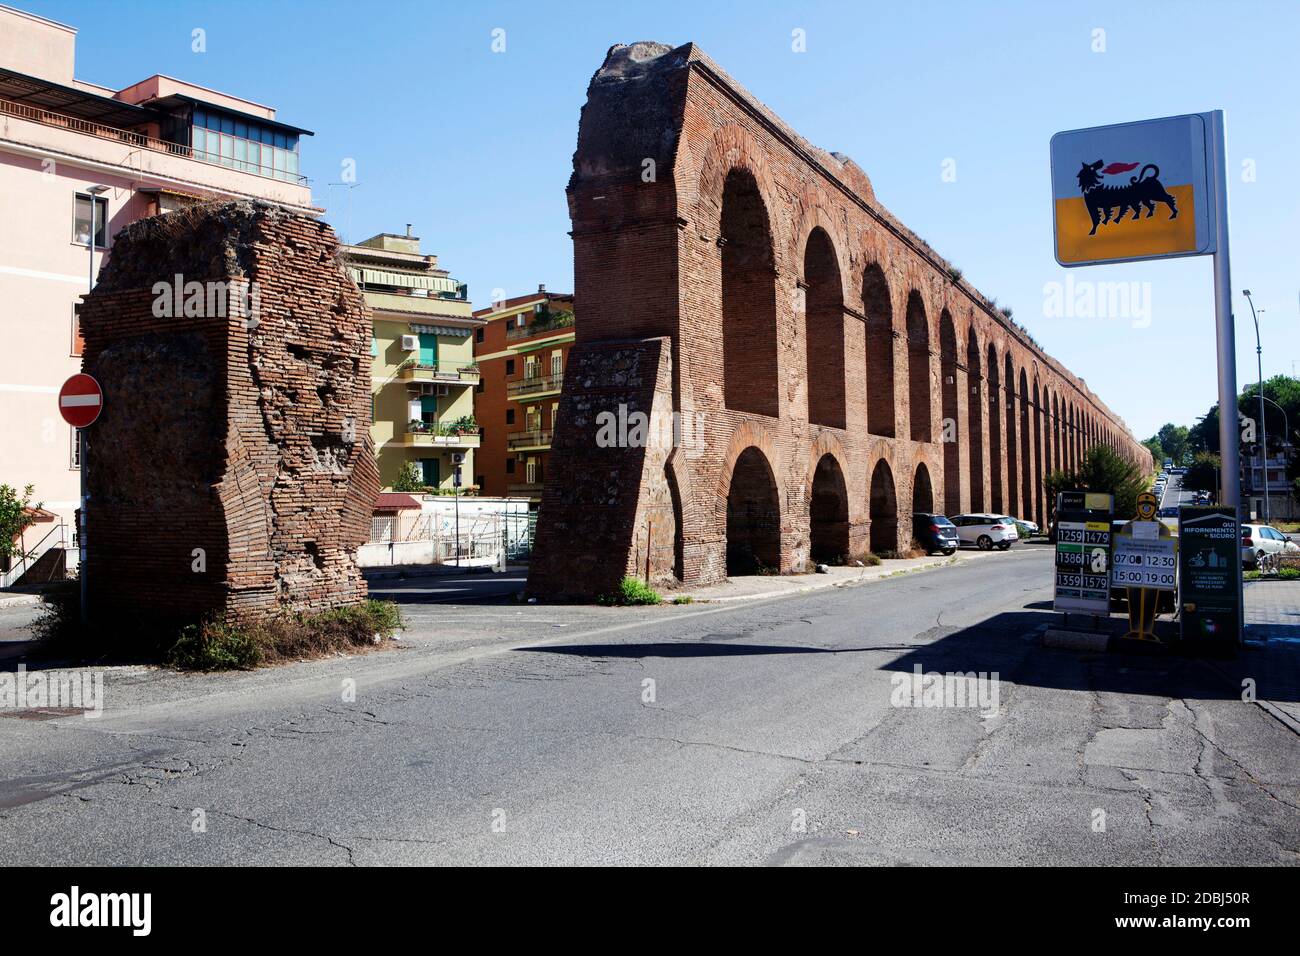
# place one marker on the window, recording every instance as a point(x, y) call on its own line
point(510, 416)
point(81, 220)
point(74, 458)
point(557, 364)
point(510, 466)
point(519, 321)
point(555, 413)
point(530, 471)
point(530, 367)
point(478, 335)
point(478, 387)
point(510, 366)
point(77, 343)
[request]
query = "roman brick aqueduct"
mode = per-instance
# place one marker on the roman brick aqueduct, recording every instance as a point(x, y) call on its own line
point(828, 372)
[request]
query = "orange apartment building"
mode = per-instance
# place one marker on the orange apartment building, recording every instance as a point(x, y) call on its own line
point(521, 353)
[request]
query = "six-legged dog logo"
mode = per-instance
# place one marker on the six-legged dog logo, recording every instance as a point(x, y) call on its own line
point(1141, 190)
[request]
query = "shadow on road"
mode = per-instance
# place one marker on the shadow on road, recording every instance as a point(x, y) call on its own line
point(997, 644)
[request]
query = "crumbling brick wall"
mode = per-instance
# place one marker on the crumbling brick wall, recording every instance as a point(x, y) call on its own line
point(822, 355)
point(231, 470)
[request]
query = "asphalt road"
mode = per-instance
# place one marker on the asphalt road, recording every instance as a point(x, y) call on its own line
point(764, 733)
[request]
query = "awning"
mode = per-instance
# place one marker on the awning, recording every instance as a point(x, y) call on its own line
point(452, 330)
point(405, 280)
point(392, 501)
point(44, 95)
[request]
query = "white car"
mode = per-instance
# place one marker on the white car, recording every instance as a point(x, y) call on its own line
point(986, 531)
point(1258, 540)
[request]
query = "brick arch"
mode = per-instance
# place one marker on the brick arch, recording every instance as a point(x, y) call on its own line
point(975, 406)
point(813, 215)
point(750, 500)
point(747, 434)
point(878, 309)
point(996, 413)
point(951, 436)
point(827, 443)
point(823, 332)
point(919, 385)
point(730, 147)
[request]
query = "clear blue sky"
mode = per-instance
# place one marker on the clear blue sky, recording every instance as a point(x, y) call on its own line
point(474, 148)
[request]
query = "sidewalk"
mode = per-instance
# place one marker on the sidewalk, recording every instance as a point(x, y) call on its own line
point(1272, 617)
point(758, 586)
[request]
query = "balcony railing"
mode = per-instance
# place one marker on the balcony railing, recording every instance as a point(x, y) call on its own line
point(530, 488)
point(448, 373)
point(130, 138)
point(537, 328)
point(430, 435)
point(537, 438)
point(538, 385)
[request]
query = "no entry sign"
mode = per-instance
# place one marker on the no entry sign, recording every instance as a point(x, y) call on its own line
point(80, 400)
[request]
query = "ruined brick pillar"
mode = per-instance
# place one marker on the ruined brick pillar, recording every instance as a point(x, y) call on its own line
point(231, 471)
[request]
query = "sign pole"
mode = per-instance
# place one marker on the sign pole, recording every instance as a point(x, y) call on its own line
point(1225, 329)
point(81, 531)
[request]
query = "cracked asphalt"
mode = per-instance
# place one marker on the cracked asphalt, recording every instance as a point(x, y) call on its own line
point(761, 733)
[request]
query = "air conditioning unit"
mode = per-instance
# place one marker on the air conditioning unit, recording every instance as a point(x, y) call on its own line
point(410, 343)
point(458, 457)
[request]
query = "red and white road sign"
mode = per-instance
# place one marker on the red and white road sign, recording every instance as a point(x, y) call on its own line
point(80, 401)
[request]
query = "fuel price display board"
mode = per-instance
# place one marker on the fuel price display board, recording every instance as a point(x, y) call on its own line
point(1083, 539)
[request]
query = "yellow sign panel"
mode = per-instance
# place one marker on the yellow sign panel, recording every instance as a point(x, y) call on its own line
point(1134, 191)
point(1150, 234)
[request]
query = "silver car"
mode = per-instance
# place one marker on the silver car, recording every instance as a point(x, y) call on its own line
point(1259, 540)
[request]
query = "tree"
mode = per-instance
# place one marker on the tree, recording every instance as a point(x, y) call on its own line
point(1174, 440)
point(17, 514)
point(409, 479)
point(1203, 473)
point(1157, 450)
point(1102, 470)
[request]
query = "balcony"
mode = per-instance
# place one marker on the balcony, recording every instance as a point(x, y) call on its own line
point(554, 326)
point(441, 373)
point(144, 157)
point(536, 387)
point(425, 435)
point(536, 440)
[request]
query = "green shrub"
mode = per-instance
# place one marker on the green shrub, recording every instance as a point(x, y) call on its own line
point(683, 599)
point(1288, 574)
point(214, 643)
point(871, 560)
point(214, 646)
point(1252, 575)
point(633, 591)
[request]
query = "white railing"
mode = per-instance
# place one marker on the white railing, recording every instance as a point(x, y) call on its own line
point(55, 537)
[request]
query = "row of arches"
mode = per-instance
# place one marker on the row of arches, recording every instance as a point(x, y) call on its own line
point(754, 512)
point(1031, 427)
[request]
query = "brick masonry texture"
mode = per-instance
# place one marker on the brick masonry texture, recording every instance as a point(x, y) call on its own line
point(829, 372)
point(247, 438)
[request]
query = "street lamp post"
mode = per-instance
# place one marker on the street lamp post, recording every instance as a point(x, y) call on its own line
point(1263, 429)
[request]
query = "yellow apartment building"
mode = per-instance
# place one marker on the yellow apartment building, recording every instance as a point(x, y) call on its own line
point(423, 373)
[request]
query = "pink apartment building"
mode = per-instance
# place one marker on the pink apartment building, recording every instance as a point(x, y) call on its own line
point(136, 152)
